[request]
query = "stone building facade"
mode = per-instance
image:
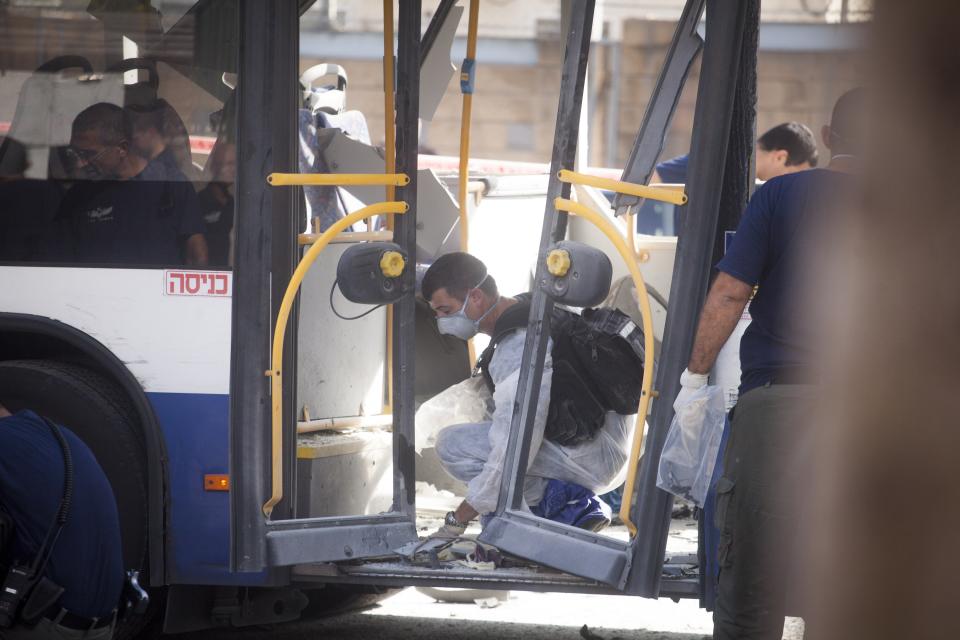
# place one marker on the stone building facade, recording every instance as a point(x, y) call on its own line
point(803, 68)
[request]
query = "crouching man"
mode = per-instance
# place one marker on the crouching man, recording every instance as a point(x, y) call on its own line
point(562, 483)
point(62, 576)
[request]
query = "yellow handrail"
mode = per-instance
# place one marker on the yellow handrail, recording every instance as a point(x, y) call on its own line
point(646, 389)
point(465, 144)
point(389, 124)
point(465, 128)
point(279, 331)
point(664, 194)
point(338, 179)
point(390, 161)
point(348, 236)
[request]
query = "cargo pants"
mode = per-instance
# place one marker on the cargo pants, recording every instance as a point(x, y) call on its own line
point(759, 506)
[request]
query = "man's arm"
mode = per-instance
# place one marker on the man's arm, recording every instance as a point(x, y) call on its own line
point(197, 250)
point(465, 513)
point(721, 312)
point(483, 490)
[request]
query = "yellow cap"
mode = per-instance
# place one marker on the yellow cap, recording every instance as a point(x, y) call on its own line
point(392, 263)
point(558, 262)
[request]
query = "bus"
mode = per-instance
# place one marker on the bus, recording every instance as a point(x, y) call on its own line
point(146, 274)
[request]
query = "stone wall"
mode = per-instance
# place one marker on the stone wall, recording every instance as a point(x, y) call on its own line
point(514, 106)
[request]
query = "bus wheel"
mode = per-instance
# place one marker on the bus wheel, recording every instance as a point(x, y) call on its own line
point(98, 412)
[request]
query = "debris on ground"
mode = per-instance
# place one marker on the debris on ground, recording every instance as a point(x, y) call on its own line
point(586, 634)
point(488, 603)
point(681, 509)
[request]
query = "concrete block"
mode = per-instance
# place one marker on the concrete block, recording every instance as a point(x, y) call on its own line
point(344, 474)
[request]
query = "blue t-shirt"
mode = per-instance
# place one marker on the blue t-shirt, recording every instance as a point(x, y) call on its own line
point(660, 218)
point(86, 560)
point(142, 221)
point(674, 170)
point(773, 233)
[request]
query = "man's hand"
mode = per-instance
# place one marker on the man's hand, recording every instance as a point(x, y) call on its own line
point(690, 383)
point(455, 522)
point(448, 532)
point(197, 250)
point(451, 529)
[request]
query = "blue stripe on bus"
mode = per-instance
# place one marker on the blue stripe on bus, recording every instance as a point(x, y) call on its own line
point(198, 532)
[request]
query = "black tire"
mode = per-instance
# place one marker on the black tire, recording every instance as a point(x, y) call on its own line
point(100, 414)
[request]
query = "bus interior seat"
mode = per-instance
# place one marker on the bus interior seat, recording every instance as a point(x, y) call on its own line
point(144, 96)
point(49, 100)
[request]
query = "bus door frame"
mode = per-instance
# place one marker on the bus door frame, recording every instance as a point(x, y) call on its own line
point(636, 567)
point(724, 127)
point(513, 529)
point(266, 255)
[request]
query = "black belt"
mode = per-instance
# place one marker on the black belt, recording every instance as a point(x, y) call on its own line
point(59, 615)
point(794, 375)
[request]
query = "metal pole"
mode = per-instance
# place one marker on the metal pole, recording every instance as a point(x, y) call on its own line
point(727, 20)
point(405, 234)
point(614, 68)
point(683, 51)
point(265, 94)
point(554, 228)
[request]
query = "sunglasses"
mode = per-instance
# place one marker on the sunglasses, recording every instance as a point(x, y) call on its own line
point(85, 155)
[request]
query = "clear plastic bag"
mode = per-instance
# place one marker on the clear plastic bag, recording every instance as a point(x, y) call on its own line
point(693, 442)
point(468, 401)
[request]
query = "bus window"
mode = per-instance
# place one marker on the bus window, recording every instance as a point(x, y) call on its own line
point(110, 154)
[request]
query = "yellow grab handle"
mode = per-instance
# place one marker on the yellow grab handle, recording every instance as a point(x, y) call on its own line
point(338, 179)
point(465, 115)
point(389, 124)
point(348, 236)
point(664, 194)
point(390, 162)
point(629, 257)
point(280, 330)
point(464, 166)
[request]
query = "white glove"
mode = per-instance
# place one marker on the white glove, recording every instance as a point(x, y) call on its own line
point(447, 532)
point(450, 530)
point(689, 383)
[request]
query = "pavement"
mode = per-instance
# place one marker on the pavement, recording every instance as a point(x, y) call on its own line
point(411, 615)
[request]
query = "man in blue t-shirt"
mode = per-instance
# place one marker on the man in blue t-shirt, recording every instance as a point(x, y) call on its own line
point(127, 209)
point(786, 148)
point(86, 559)
point(767, 457)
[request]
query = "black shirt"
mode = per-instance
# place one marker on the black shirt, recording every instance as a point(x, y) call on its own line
point(143, 221)
point(775, 234)
point(86, 560)
point(27, 211)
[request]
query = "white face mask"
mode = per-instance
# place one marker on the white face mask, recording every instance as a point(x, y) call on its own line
point(458, 324)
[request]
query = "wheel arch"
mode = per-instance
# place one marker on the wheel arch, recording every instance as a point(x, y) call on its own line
point(24, 336)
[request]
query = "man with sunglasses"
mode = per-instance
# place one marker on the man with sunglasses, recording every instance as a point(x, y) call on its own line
point(124, 208)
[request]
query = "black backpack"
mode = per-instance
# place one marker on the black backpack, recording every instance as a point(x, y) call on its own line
point(597, 367)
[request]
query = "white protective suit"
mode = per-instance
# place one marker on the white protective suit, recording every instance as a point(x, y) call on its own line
point(474, 453)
